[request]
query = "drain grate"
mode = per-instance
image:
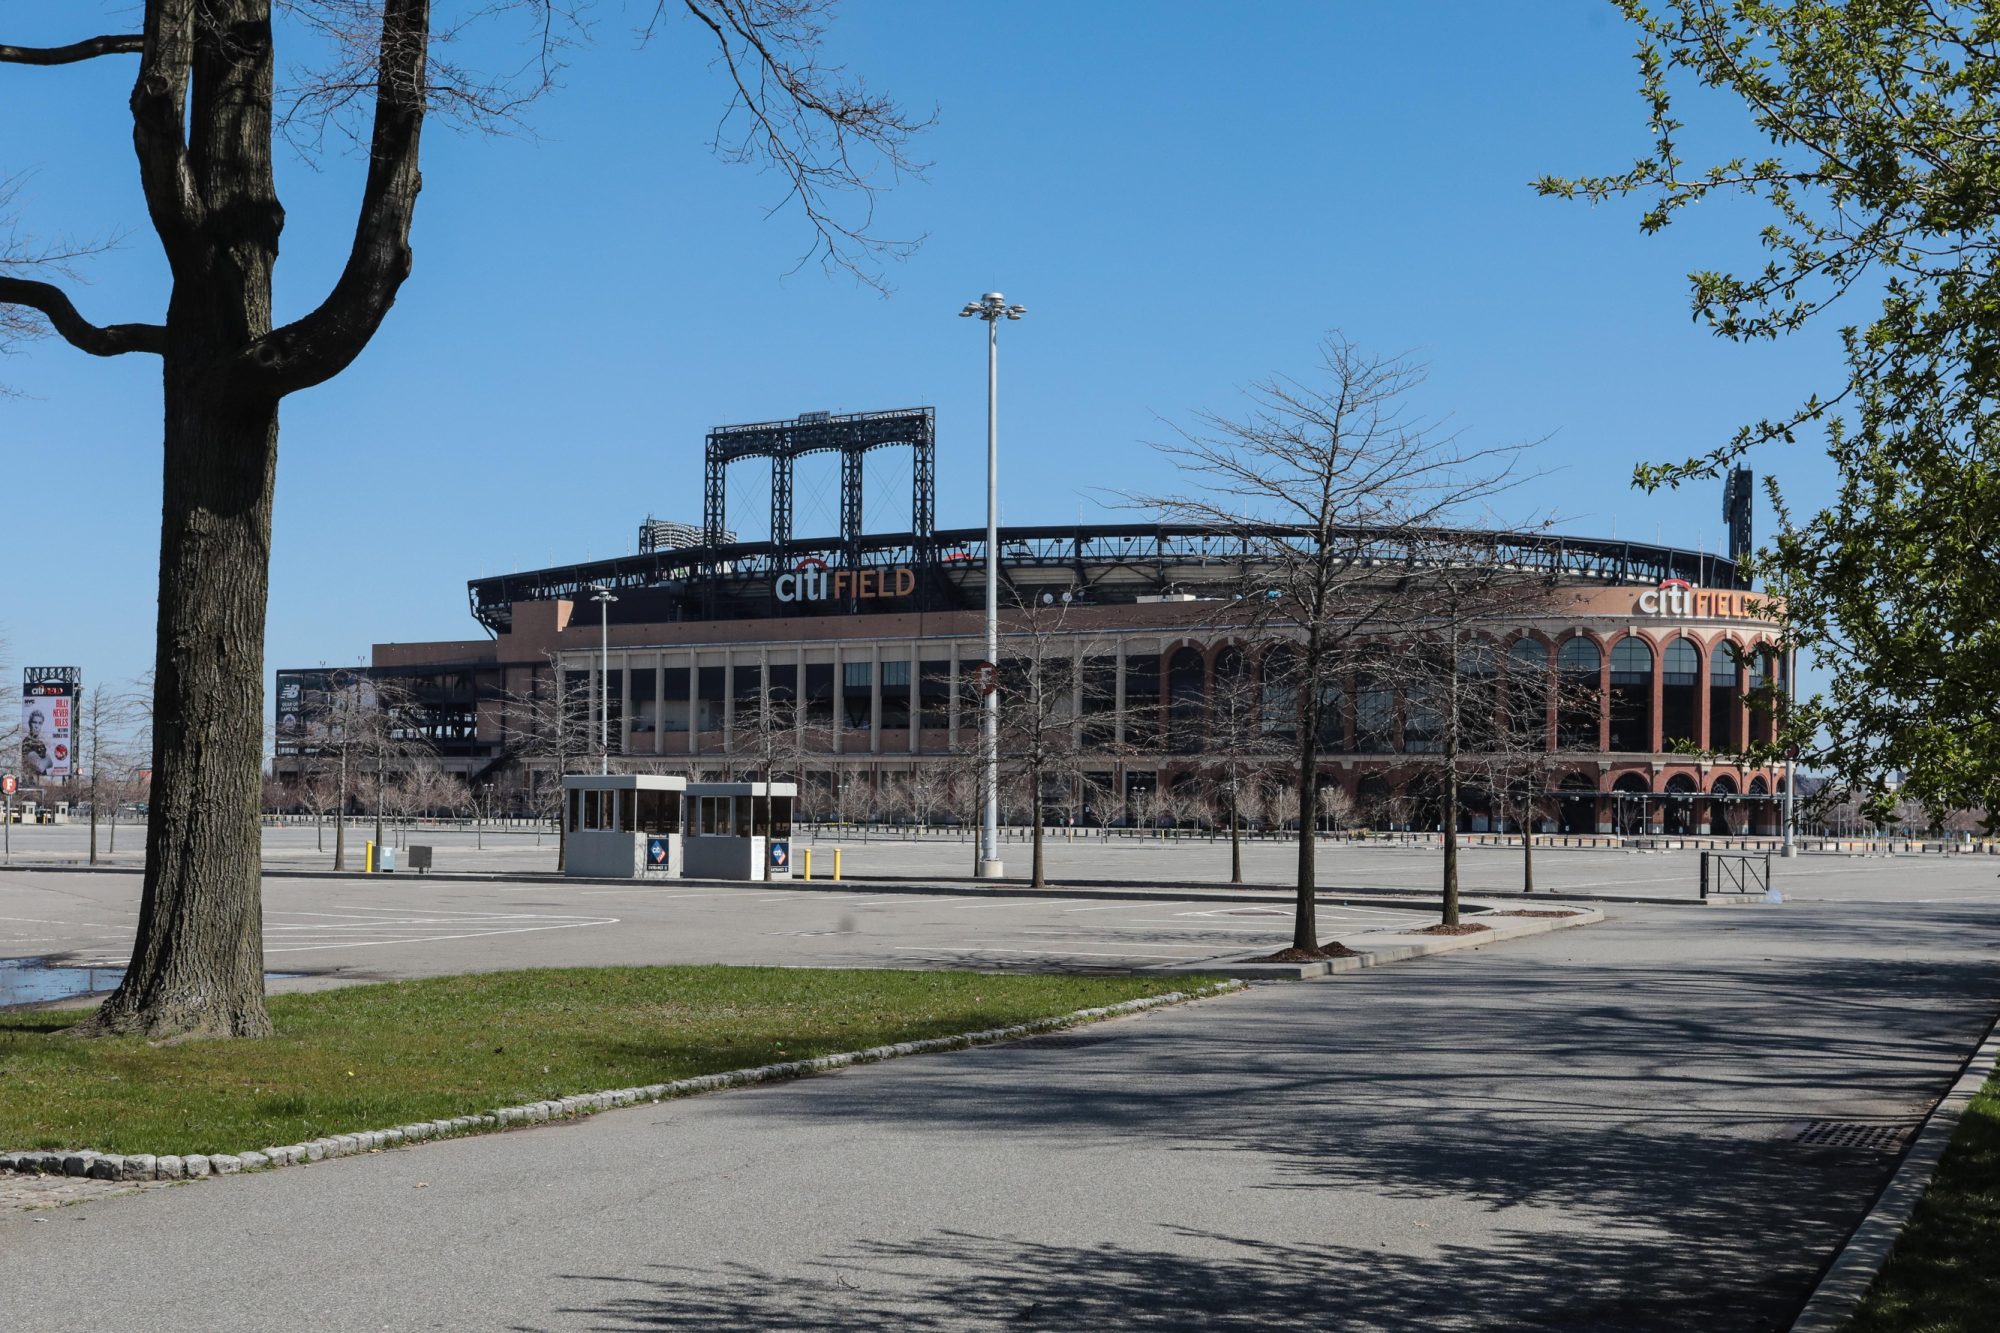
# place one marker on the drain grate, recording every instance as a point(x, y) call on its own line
point(1874, 1136)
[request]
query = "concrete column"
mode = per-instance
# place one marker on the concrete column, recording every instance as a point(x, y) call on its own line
point(625, 703)
point(1658, 738)
point(875, 699)
point(728, 701)
point(694, 706)
point(659, 703)
point(1118, 704)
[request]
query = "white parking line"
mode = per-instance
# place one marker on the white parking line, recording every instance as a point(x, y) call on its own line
point(1030, 902)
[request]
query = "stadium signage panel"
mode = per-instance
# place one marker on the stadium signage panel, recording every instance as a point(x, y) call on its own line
point(48, 702)
point(813, 581)
point(1678, 597)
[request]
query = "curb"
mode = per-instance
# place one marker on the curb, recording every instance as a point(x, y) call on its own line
point(1242, 968)
point(149, 1166)
point(1860, 1260)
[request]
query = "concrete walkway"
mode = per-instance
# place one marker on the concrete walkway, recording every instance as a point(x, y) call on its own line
point(1590, 1129)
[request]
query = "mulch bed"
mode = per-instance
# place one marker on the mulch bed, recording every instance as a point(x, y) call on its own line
point(1331, 949)
point(1462, 928)
point(1539, 914)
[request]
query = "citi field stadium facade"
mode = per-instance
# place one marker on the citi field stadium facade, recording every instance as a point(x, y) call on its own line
point(871, 644)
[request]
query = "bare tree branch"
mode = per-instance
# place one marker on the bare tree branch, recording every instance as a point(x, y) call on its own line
point(822, 130)
point(118, 44)
point(55, 306)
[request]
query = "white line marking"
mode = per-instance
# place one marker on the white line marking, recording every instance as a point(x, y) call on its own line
point(429, 939)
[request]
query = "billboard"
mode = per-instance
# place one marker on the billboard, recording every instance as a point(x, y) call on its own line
point(48, 713)
point(312, 704)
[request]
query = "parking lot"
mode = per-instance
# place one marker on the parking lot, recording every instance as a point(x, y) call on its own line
point(334, 930)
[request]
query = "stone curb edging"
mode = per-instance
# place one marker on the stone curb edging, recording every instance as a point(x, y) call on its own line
point(149, 1166)
point(1243, 968)
point(1860, 1260)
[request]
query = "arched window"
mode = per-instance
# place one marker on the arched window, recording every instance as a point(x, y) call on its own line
point(1679, 818)
point(1723, 813)
point(1725, 700)
point(1374, 713)
point(1233, 706)
point(1631, 799)
point(1680, 678)
point(1762, 662)
point(1528, 687)
point(1185, 681)
point(1631, 696)
point(1281, 692)
point(1478, 693)
point(1578, 662)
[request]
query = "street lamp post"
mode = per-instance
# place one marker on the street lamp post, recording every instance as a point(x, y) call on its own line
point(604, 597)
point(992, 307)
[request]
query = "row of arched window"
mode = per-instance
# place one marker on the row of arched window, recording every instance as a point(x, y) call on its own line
point(1636, 700)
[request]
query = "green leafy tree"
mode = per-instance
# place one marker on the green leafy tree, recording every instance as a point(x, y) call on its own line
point(1878, 132)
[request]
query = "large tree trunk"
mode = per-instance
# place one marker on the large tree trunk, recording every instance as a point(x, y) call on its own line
point(198, 964)
point(1528, 848)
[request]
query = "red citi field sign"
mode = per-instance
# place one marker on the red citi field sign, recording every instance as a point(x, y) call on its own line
point(813, 581)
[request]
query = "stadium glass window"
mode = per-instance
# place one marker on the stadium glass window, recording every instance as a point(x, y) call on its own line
point(674, 700)
point(1527, 686)
point(645, 708)
point(857, 705)
point(1680, 678)
point(1725, 699)
point(1762, 681)
point(1631, 696)
point(896, 694)
point(746, 681)
point(1142, 700)
point(1185, 672)
point(1281, 694)
point(934, 690)
point(709, 698)
point(1100, 700)
point(1578, 663)
point(1374, 715)
point(819, 694)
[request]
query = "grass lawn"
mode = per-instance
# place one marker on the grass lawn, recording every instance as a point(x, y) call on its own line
point(371, 1057)
point(1945, 1272)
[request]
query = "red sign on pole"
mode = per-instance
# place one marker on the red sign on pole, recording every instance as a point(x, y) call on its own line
point(985, 677)
point(7, 785)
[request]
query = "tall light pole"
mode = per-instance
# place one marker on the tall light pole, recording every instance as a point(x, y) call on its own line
point(992, 307)
point(604, 598)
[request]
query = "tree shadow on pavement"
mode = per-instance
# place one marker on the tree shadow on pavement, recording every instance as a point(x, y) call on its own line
point(1606, 1135)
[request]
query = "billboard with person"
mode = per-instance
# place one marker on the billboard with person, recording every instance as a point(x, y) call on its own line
point(48, 708)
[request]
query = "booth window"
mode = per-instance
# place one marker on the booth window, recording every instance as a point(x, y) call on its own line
point(656, 811)
point(712, 816)
point(743, 818)
point(599, 810)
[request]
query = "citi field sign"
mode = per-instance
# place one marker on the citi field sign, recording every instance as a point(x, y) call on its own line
point(813, 581)
point(1671, 598)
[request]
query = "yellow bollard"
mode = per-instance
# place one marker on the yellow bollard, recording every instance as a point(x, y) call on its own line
point(807, 855)
point(836, 863)
point(368, 858)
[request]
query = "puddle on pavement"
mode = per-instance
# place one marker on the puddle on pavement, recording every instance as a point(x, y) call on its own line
point(27, 981)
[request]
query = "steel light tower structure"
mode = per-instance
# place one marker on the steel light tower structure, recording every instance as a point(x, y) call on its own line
point(604, 597)
point(992, 307)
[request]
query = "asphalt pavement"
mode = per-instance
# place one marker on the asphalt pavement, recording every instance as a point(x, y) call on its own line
point(1595, 1129)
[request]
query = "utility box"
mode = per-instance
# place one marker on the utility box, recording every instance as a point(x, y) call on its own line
point(736, 830)
point(622, 825)
point(420, 858)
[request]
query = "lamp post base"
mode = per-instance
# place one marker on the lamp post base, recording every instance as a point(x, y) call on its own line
point(990, 870)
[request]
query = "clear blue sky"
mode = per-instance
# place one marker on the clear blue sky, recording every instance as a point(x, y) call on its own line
point(1186, 195)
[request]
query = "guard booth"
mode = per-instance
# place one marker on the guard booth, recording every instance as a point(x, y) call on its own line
point(622, 825)
point(736, 829)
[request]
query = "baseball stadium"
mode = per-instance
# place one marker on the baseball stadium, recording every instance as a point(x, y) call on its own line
point(672, 659)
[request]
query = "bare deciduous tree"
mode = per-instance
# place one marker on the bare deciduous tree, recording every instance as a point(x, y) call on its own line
point(1319, 481)
point(207, 106)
